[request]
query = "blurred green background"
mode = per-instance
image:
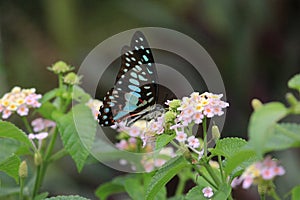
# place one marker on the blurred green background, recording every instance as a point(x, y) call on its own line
point(255, 44)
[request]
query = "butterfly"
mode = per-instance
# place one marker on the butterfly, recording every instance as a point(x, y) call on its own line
point(135, 91)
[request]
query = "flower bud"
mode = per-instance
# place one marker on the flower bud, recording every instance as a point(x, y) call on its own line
point(170, 116)
point(38, 159)
point(256, 104)
point(215, 132)
point(23, 170)
point(174, 104)
point(60, 67)
point(72, 79)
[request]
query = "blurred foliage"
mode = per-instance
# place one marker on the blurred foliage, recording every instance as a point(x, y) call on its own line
point(255, 44)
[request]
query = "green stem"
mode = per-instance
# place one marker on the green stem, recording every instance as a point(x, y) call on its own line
point(176, 145)
point(68, 101)
point(221, 168)
point(274, 194)
point(60, 80)
point(21, 188)
point(181, 185)
point(58, 155)
point(204, 137)
point(26, 123)
point(262, 196)
point(36, 184)
point(51, 144)
point(205, 178)
point(41, 170)
point(211, 173)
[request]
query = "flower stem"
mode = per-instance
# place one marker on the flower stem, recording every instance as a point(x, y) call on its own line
point(41, 170)
point(204, 136)
point(36, 184)
point(211, 173)
point(274, 194)
point(181, 185)
point(204, 177)
point(58, 155)
point(221, 168)
point(26, 123)
point(51, 144)
point(21, 188)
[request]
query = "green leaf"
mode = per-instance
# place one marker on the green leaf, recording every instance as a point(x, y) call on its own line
point(227, 147)
point(296, 192)
point(286, 135)
point(177, 198)
point(9, 130)
point(195, 193)
point(294, 82)
point(41, 196)
point(107, 189)
point(134, 188)
point(67, 198)
point(240, 161)
point(164, 175)
point(80, 95)
point(49, 95)
point(47, 109)
point(11, 167)
point(78, 129)
point(223, 192)
point(7, 191)
point(8, 147)
point(262, 123)
point(163, 139)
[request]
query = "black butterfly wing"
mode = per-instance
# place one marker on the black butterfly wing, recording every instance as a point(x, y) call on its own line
point(135, 87)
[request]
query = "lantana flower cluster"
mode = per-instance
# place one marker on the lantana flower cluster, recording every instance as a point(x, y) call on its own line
point(142, 129)
point(20, 101)
point(258, 172)
point(194, 108)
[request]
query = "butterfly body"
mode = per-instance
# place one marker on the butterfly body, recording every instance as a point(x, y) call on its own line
point(134, 94)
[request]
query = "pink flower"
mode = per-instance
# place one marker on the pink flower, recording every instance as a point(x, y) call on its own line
point(40, 136)
point(236, 181)
point(40, 124)
point(132, 140)
point(134, 131)
point(193, 142)
point(23, 110)
point(198, 116)
point(1, 108)
point(6, 114)
point(279, 170)
point(29, 100)
point(247, 182)
point(208, 112)
point(267, 174)
point(207, 192)
point(267, 169)
point(122, 145)
point(181, 136)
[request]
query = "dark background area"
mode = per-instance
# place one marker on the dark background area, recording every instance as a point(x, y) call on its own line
point(255, 44)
